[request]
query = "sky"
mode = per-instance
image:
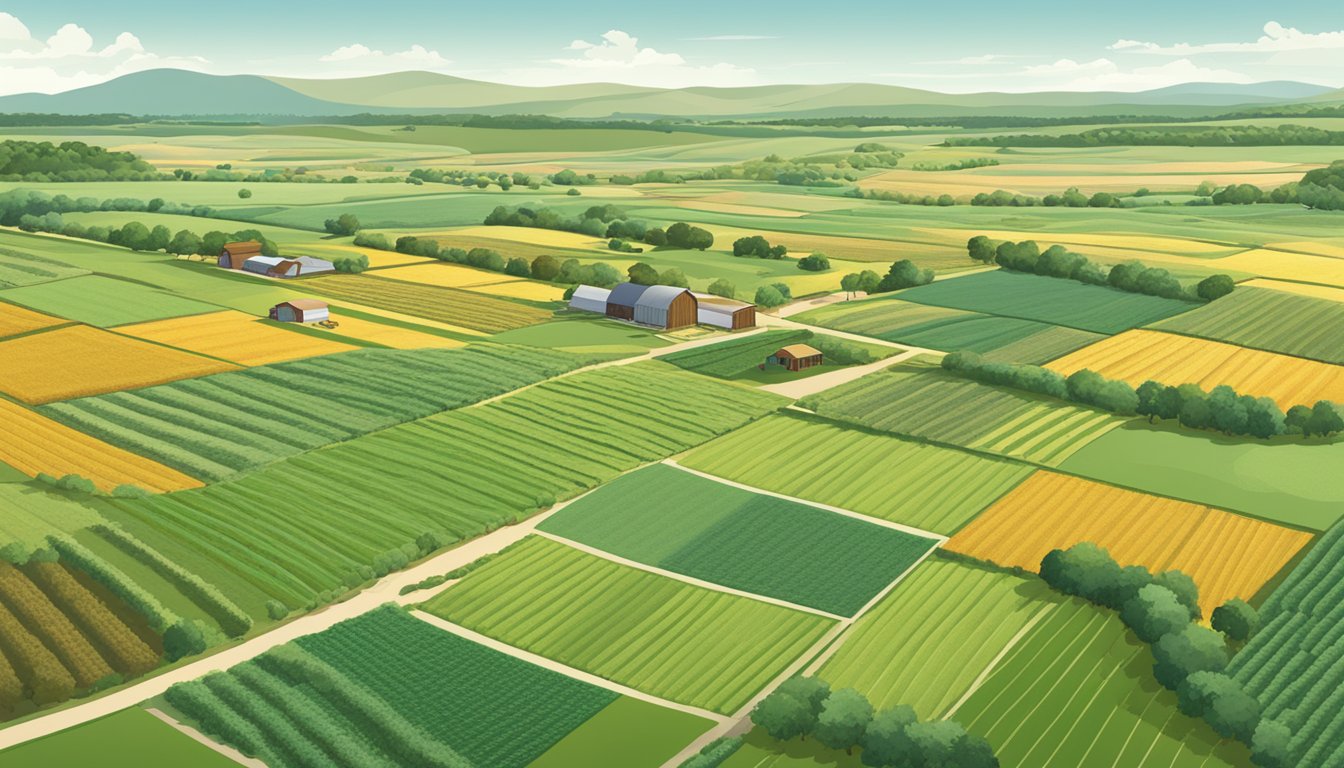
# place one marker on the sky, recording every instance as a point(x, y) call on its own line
point(953, 47)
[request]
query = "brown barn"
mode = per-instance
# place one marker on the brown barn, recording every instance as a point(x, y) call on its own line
point(795, 357)
point(725, 313)
point(300, 311)
point(234, 254)
point(622, 299)
point(661, 306)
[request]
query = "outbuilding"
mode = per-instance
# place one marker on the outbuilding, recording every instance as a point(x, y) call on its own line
point(589, 298)
point(234, 255)
point(724, 313)
point(795, 357)
point(274, 266)
point(666, 306)
point(622, 299)
point(301, 311)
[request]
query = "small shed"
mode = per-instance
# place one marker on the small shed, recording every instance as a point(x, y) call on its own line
point(622, 299)
point(795, 357)
point(666, 306)
point(300, 311)
point(590, 299)
point(724, 313)
point(234, 255)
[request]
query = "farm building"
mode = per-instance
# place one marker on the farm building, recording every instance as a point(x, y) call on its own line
point(724, 313)
point(274, 266)
point(622, 299)
point(795, 357)
point(589, 299)
point(300, 311)
point(234, 255)
point(662, 306)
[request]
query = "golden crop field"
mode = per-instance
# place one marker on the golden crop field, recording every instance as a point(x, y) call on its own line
point(444, 275)
point(1227, 555)
point(15, 320)
point(530, 290)
point(1323, 249)
point(80, 360)
point(388, 335)
point(1284, 265)
point(234, 336)
point(32, 443)
point(550, 238)
point(1137, 356)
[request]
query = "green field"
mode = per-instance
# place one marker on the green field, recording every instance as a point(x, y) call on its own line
point(29, 512)
point(644, 735)
point(19, 268)
point(939, 489)
point(928, 641)
point(319, 520)
point(922, 400)
point(1283, 481)
point(131, 738)
point(465, 309)
point(684, 523)
point(617, 622)
point(197, 426)
point(104, 301)
point(584, 333)
point(1078, 690)
point(726, 359)
point(1270, 320)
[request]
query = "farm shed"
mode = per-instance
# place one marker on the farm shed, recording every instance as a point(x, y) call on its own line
point(234, 255)
point(274, 266)
point(724, 313)
point(590, 299)
point(795, 357)
point(300, 311)
point(622, 299)
point(666, 306)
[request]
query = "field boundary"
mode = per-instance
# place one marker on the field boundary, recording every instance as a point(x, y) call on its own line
point(994, 662)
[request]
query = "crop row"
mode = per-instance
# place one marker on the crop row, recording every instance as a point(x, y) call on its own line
point(445, 305)
point(1275, 321)
point(730, 357)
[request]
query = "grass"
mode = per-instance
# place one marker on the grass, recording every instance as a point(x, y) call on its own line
point(583, 332)
point(1274, 321)
point(688, 524)
point(235, 337)
point(617, 622)
point(922, 400)
point(1052, 511)
point(644, 735)
point(446, 305)
point(104, 301)
point(1078, 690)
point(941, 488)
point(131, 738)
point(19, 268)
point(29, 513)
point(327, 515)
point(928, 641)
point(730, 358)
point(1281, 481)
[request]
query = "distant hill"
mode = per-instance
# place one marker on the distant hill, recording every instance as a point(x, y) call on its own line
point(182, 93)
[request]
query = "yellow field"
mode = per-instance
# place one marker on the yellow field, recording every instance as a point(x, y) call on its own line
point(405, 318)
point(522, 289)
point(445, 275)
point(387, 335)
point(79, 360)
point(1284, 265)
point(234, 336)
point(550, 238)
point(1138, 355)
point(377, 257)
point(32, 443)
point(1323, 249)
point(1226, 554)
point(1042, 179)
point(1302, 289)
point(15, 320)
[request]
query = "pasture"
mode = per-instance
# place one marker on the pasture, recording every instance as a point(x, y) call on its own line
point(613, 620)
point(79, 360)
point(235, 337)
point(848, 468)
point(1137, 356)
point(131, 738)
point(446, 305)
point(928, 641)
point(678, 521)
point(1271, 320)
point(104, 301)
point(1054, 511)
point(922, 400)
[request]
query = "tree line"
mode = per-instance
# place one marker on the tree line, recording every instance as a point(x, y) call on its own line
point(69, 161)
point(606, 221)
point(1185, 136)
point(1323, 188)
point(903, 273)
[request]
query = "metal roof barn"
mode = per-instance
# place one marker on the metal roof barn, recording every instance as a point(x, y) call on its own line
point(724, 313)
point(622, 299)
point(234, 254)
point(666, 306)
point(300, 311)
point(590, 299)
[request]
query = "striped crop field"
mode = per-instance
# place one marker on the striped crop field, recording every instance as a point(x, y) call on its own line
point(932, 636)
point(922, 400)
point(33, 443)
point(615, 621)
point(233, 336)
point(1077, 690)
point(445, 305)
point(850, 468)
point(1227, 555)
point(104, 301)
point(1274, 321)
point(702, 528)
point(24, 268)
point(321, 520)
point(1137, 356)
point(729, 358)
point(28, 514)
point(15, 320)
point(197, 427)
point(79, 361)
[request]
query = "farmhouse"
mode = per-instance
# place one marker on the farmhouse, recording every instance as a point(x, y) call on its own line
point(795, 357)
point(300, 311)
point(724, 313)
point(234, 255)
point(274, 266)
point(590, 299)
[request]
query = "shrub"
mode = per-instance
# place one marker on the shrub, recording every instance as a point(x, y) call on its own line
point(184, 638)
point(815, 262)
point(244, 193)
point(1236, 619)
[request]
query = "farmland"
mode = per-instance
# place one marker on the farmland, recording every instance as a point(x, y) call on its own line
point(131, 738)
point(611, 620)
point(19, 268)
point(843, 463)
point(1136, 356)
point(928, 640)
point(233, 336)
point(481, 281)
point(733, 357)
point(80, 360)
point(28, 515)
point(446, 305)
point(15, 320)
point(104, 301)
point(1274, 321)
point(1053, 511)
point(924, 401)
point(684, 523)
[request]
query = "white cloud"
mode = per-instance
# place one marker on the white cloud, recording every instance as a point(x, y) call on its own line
point(618, 57)
point(416, 55)
point(1276, 38)
point(13, 30)
point(1105, 75)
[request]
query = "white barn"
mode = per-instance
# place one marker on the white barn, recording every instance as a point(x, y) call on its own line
point(590, 298)
point(275, 266)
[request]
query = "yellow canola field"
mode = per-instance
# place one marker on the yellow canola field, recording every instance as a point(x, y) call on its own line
point(1227, 555)
point(444, 275)
point(32, 443)
point(388, 335)
point(15, 320)
point(234, 336)
point(1284, 265)
point(535, 235)
point(79, 361)
point(1137, 356)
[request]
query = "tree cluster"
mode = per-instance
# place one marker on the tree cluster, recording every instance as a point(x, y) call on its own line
point(960, 165)
point(1323, 188)
point(344, 225)
point(640, 273)
point(890, 196)
point(70, 161)
point(571, 178)
point(478, 179)
point(773, 295)
point(758, 247)
point(1183, 136)
point(815, 262)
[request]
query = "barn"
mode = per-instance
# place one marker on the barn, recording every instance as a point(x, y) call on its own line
point(590, 299)
point(666, 306)
point(724, 313)
point(795, 357)
point(300, 311)
point(274, 266)
point(622, 300)
point(234, 255)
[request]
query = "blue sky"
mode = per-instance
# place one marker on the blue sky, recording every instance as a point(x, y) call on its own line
point(946, 46)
